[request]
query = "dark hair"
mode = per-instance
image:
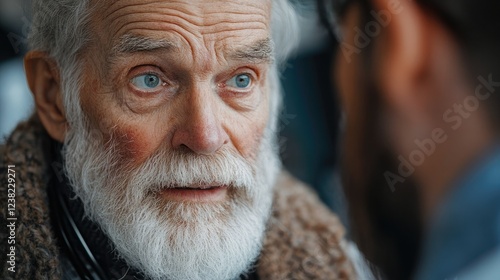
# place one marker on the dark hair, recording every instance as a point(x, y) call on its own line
point(387, 225)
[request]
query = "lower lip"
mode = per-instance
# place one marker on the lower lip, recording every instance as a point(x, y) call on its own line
point(195, 195)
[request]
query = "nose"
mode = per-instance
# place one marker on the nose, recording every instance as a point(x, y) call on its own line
point(201, 129)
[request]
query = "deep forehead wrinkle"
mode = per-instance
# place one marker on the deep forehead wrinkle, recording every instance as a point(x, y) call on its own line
point(197, 13)
point(206, 33)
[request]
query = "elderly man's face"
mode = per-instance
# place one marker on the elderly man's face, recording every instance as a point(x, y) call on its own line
point(183, 75)
point(180, 173)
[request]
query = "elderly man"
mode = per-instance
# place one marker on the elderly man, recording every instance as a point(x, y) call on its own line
point(152, 153)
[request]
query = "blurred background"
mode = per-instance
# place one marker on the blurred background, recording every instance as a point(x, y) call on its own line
point(308, 123)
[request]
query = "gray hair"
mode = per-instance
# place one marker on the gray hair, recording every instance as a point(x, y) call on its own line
point(61, 28)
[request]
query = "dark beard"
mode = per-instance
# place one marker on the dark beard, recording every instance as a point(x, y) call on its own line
point(386, 224)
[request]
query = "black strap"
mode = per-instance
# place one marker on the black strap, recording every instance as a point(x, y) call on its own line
point(74, 246)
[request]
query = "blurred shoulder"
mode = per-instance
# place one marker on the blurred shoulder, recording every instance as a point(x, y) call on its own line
point(486, 268)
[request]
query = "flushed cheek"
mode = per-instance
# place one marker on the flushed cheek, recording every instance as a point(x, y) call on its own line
point(133, 140)
point(131, 143)
point(135, 144)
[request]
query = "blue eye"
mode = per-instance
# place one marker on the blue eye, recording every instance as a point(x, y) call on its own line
point(240, 81)
point(147, 81)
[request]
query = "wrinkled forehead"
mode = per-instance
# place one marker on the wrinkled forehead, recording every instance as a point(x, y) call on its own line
point(194, 24)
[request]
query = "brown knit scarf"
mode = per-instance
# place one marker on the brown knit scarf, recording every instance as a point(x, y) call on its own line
point(303, 240)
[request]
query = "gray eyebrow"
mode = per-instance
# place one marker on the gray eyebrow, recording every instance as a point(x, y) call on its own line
point(132, 43)
point(260, 51)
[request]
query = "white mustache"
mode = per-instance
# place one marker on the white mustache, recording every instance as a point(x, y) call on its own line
point(177, 169)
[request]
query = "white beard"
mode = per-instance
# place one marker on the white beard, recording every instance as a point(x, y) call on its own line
point(169, 239)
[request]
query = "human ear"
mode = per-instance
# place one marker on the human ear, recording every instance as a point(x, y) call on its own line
point(401, 54)
point(44, 82)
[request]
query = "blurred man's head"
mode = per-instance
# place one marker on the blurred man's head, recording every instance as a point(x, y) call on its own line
point(167, 113)
point(417, 82)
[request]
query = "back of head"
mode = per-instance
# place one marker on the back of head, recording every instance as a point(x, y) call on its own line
point(476, 26)
point(388, 225)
